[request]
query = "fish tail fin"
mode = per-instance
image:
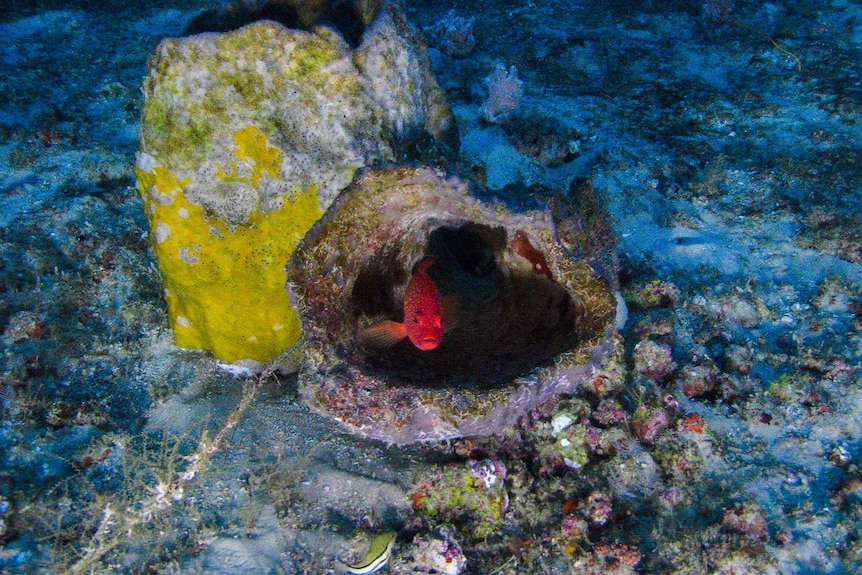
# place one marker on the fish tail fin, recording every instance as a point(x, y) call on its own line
point(382, 334)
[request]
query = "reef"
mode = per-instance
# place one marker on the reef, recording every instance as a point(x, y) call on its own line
point(249, 133)
point(474, 497)
point(531, 321)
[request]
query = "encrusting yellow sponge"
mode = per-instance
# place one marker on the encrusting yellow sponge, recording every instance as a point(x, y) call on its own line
point(224, 284)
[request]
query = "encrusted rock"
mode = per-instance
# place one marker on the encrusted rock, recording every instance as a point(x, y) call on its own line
point(247, 136)
point(473, 497)
point(436, 552)
point(653, 360)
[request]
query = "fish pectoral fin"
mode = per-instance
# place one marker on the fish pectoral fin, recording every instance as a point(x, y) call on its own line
point(449, 307)
point(382, 335)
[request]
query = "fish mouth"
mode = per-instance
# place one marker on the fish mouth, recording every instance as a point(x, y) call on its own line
point(427, 343)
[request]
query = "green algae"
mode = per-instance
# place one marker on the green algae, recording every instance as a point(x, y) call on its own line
point(460, 495)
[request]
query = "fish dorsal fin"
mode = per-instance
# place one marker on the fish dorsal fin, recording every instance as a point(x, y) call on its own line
point(423, 264)
point(382, 335)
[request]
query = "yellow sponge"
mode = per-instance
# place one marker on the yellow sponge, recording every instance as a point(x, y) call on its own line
point(224, 284)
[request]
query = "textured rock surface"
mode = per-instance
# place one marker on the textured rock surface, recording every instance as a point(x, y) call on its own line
point(531, 321)
point(246, 137)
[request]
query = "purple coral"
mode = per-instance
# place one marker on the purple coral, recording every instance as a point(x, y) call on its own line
point(597, 508)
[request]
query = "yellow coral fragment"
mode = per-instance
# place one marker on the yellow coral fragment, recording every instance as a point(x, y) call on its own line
point(224, 285)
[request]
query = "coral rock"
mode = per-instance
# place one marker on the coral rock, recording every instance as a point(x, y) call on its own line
point(653, 360)
point(531, 321)
point(247, 136)
point(437, 552)
point(465, 497)
point(571, 440)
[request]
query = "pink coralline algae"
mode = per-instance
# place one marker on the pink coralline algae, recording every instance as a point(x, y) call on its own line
point(653, 360)
point(437, 552)
point(648, 423)
point(653, 294)
point(488, 471)
point(619, 553)
point(597, 508)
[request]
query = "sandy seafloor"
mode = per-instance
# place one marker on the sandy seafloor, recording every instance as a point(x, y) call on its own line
point(734, 181)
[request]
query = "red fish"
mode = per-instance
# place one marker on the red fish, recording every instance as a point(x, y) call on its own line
point(425, 319)
point(521, 245)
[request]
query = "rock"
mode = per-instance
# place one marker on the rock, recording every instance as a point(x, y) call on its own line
point(571, 439)
point(247, 136)
point(648, 422)
point(436, 552)
point(473, 497)
point(6, 515)
point(653, 360)
point(742, 312)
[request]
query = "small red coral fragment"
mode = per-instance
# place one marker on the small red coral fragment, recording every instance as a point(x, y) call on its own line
point(599, 385)
point(692, 422)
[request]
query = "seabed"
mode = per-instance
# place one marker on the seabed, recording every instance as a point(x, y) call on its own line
point(726, 140)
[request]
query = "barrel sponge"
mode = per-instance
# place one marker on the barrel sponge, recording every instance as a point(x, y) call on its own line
point(224, 283)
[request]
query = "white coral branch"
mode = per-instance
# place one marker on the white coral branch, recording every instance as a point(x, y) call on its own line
point(505, 90)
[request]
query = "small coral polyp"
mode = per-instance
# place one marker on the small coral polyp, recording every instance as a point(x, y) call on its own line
point(528, 321)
